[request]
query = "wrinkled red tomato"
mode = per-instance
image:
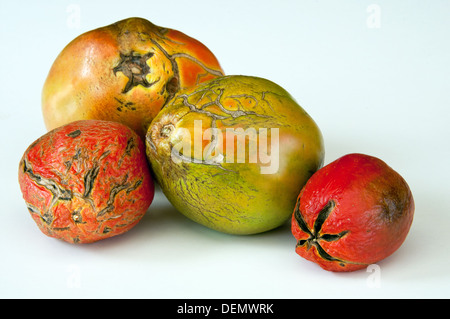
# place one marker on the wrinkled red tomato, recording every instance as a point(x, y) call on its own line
point(351, 213)
point(86, 181)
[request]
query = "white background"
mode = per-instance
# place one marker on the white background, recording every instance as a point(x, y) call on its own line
point(375, 84)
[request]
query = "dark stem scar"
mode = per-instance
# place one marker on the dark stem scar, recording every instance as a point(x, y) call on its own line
point(315, 235)
point(134, 66)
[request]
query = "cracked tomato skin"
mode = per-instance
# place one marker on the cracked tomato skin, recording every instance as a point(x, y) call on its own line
point(352, 213)
point(124, 72)
point(86, 181)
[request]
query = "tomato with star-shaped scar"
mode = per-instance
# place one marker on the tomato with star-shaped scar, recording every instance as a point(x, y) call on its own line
point(124, 72)
point(352, 213)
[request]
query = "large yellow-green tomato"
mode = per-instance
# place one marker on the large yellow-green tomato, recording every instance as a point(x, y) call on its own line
point(234, 152)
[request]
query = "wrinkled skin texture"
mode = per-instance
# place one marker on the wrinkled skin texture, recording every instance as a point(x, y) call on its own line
point(224, 189)
point(124, 72)
point(352, 213)
point(86, 181)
